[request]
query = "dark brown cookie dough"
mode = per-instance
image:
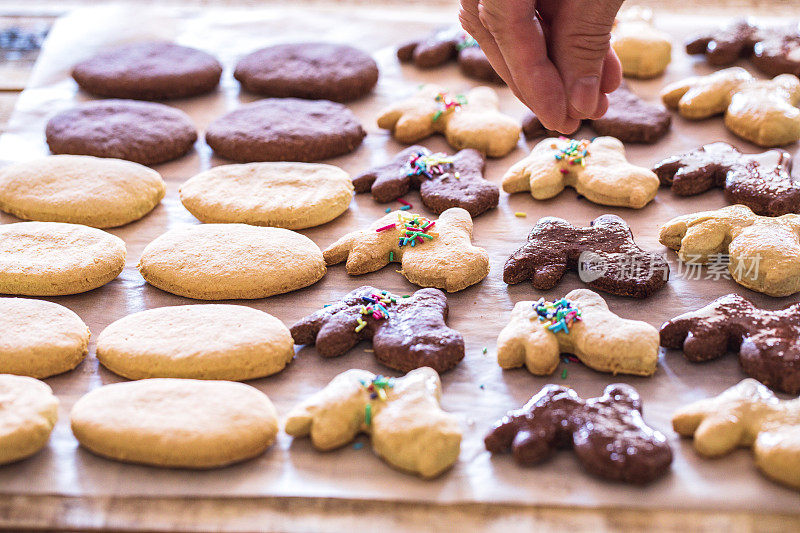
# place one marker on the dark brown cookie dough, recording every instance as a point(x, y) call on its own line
point(629, 118)
point(604, 254)
point(443, 181)
point(285, 129)
point(768, 341)
point(607, 433)
point(772, 49)
point(308, 70)
point(144, 132)
point(445, 45)
point(149, 71)
point(406, 332)
point(762, 182)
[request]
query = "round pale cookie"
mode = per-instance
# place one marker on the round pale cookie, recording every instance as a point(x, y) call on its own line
point(153, 70)
point(308, 70)
point(285, 129)
point(80, 189)
point(179, 423)
point(28, 412)
point(143, 132)
point(283, 195)
point(54, 258)
point(231, 261)
point(212, 341)
point(40, 339)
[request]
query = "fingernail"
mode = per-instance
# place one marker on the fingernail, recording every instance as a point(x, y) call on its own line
point(584, 94)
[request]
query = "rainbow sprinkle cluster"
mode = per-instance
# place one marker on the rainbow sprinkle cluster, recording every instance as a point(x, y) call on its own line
point(377, 391)
point(413, 229)
point(430, 165)
point(465, 40)
point(574, 153)
point(558, 315)
point(375, 305)
point(446, 103)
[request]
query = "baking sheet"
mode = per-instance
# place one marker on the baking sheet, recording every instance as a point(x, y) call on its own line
point(478, 391)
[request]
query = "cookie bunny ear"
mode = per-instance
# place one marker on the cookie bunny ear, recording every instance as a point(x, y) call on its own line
point(340, 250)
point(791, 84)
point(330, 416)
point(525, 341)
point(621, 393)
point(671, 94)
point(483, 97)
point(457, 217)
point(777, 454)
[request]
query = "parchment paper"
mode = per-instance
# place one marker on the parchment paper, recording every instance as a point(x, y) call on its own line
point(477, 390)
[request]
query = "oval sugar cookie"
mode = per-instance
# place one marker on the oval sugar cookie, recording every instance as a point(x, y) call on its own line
point(231, 261)
point(53, 258)
point(95, 191)
point(40, 339)
point(283, 195)
point(28, 412)
point(179, 423)
point(212, 341)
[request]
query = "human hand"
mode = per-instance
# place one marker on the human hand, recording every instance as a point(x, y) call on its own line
point(553, 54)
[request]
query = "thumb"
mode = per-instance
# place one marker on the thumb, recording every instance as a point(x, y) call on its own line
point(580, 40)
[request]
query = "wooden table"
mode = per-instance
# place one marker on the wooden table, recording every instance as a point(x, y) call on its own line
point(57, 513)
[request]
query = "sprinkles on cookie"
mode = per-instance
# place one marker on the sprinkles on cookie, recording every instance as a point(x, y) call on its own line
point(413, 229)
point(446, 103)
point(574, 153)
point(375, 306)
point(558, 315)
point(377, 391)
point(430, 165)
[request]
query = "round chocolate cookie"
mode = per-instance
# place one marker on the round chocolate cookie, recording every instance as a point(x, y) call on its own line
point(142, 132)
point(308, 70)
point(285, 129)
point(474, 64)
point(149, 71)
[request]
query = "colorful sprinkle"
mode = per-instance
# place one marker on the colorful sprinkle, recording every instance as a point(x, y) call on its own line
point(388, 210)
point(384, 228)
point(405, 208)
point(401, 201)
point(466, 40)
point(391, 257)
point(377, 391)
point(574, 153)
point(520, 214)
point(558, 315)
point(429, 165)
point(447, 104)
point(358, 445)
point(564, 374)
point(485, 350)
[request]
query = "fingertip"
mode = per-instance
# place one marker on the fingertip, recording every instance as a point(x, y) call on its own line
point(611, 75)
point(583, 95)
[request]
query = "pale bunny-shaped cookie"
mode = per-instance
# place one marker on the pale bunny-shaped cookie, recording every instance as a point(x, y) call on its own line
point(763, 252)
point(409, 429)
point(747, 415)
point(598, 170)
point(432, 253)
point(470, 120)
point(761, 111)
point(643, 50)
point(580, 324)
